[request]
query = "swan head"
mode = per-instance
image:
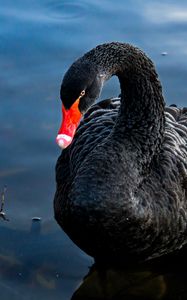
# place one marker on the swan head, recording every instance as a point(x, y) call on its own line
point(81, 86)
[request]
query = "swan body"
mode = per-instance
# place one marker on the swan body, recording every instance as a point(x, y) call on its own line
point(122, 182)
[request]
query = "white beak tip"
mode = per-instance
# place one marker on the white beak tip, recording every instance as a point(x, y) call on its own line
point(63, 140)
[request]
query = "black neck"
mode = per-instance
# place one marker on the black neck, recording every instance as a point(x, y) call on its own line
point(141, 116)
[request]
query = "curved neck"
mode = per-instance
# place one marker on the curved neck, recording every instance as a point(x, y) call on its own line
point(141, 116)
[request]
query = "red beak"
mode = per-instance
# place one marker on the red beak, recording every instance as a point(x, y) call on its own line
point(70, 122)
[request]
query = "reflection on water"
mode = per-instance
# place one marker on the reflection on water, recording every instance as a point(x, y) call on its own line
point(119, 284)
point(37, 263)
point(38, 41)
point(160, 279)
point(166, 12)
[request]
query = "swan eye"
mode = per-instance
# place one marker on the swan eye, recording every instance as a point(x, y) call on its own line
point(82, 94)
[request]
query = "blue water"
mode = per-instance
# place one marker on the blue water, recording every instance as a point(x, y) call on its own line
point(38, 41)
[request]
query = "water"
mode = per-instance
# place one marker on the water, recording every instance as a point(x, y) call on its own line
point(38, 41)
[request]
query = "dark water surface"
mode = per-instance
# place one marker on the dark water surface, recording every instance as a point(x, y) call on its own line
point(38, 41)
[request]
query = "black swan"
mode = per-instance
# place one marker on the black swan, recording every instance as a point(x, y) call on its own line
point(122, 178)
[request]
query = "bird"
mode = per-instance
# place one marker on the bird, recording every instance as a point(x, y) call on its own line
point(121, 178)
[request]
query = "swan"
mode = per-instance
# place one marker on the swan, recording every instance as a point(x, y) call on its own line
point(121, 179)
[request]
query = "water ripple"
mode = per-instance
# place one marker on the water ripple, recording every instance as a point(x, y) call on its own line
point(66, 10)
point(52, 11)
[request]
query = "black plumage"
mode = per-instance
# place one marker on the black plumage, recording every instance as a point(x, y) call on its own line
point(122, 183)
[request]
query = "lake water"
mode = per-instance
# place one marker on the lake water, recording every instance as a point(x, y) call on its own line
point(38, 41)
